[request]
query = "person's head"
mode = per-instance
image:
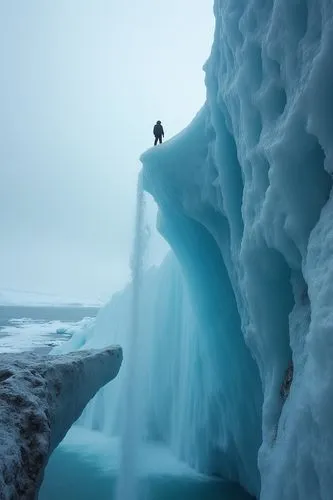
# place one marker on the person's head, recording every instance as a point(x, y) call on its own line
point(158, 122)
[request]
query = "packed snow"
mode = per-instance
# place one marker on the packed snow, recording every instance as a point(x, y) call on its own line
point(40, 398)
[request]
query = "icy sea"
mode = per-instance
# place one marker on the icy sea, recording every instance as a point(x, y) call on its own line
point(27, 327)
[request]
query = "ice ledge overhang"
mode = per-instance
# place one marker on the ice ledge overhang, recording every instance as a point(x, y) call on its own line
point(40, 398)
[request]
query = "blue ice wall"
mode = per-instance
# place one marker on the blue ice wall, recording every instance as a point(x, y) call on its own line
point(244, 196)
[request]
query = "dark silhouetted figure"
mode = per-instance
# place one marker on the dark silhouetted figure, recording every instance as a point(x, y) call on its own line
point(158, 132)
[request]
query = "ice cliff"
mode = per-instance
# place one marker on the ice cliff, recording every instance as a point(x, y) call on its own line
point(235, 349)
point(244, 198)
point(40, 398)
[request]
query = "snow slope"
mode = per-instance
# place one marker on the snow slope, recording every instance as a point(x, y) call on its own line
point(40, 398)
point(244, 197)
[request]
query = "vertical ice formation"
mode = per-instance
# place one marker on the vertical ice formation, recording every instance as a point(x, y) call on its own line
point(183, 384)
point(244, 197)
point(132, 429)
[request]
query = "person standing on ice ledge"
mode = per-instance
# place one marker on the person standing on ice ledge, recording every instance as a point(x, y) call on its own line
point(158, 132)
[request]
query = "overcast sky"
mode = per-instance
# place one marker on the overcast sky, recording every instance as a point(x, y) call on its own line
point(81, 84)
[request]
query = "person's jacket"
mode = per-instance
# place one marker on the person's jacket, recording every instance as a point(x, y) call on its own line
point(158, 130)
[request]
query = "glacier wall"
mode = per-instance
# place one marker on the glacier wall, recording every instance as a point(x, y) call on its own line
point(245, 203)
point(235, 346)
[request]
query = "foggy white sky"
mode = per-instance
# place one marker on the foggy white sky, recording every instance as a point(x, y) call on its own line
point(82, 83)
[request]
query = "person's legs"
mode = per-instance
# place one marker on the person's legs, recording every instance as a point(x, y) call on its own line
point(158, 138)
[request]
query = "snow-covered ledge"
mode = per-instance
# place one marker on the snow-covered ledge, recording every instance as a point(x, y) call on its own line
point(40, 398)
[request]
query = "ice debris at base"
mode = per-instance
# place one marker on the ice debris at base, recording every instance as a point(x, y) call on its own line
point(245, 202)
point(40, 398)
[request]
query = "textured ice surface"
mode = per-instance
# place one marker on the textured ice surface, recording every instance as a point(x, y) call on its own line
point(40, 398)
